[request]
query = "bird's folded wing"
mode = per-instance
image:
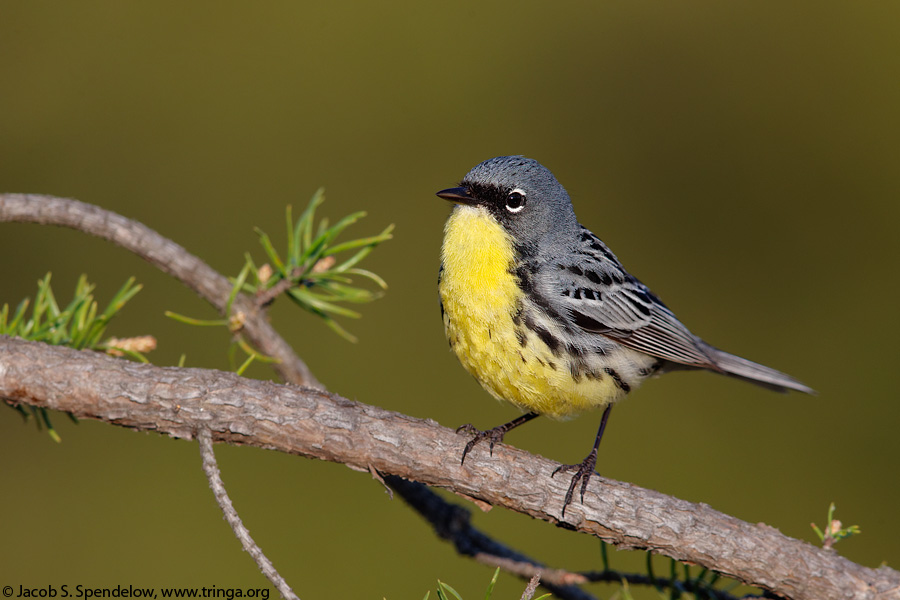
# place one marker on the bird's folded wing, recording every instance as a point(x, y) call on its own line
point(601, 297)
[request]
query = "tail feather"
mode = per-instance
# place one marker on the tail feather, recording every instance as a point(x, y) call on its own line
point(748, 370)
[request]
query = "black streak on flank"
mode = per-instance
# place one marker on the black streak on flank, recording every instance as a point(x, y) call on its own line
point(575, 368)
point(548, 339)
point(524, 274)
point(620, 383)
point(517, 316)
point(524, 278)
point(579, 369)
point(520, 335)
point(573, 350)
point(551, 342)
point(594, 375)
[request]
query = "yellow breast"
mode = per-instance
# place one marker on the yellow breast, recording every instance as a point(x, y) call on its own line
point(481, 300)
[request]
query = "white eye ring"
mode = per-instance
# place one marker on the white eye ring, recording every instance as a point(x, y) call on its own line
point(515, 201)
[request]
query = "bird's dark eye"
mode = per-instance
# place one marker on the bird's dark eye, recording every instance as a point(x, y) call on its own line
point(515, 201)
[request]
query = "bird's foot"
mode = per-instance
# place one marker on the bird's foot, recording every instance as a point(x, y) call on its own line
point(583, 472)
point(493, 436)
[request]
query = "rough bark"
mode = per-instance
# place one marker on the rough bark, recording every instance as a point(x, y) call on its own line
point(316, 424)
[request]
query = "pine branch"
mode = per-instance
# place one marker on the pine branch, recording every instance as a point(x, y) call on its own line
point(168, 257)
point(316, 424)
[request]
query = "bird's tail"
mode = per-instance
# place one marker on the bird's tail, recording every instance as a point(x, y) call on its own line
point(735, 366)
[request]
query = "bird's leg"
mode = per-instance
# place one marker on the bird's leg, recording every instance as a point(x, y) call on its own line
point(494, 436)
point(584, 470)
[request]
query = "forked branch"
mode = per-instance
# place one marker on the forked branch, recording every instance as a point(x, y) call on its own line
point(169, 258)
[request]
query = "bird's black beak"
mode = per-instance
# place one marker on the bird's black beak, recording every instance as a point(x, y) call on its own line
point(458, 195)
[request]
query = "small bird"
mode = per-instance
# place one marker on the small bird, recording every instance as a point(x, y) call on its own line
point(544, 315)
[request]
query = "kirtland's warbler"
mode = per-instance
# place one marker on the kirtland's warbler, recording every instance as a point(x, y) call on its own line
point(545, 316)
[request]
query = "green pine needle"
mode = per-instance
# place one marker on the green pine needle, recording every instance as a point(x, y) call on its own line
point(490, 588)
point(196, 322)
point(79, 325)
point(444, 589)
point(307, 272)
point(318, 282)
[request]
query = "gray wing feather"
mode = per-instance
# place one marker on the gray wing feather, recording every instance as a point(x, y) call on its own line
point(601, 297)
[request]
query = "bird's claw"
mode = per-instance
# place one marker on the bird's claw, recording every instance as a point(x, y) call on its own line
point(583, 473)
point(494, 436)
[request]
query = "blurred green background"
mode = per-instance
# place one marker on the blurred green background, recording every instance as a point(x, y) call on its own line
point(739, 157)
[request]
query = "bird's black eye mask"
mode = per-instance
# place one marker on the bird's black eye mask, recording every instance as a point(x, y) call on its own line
point(490, 196)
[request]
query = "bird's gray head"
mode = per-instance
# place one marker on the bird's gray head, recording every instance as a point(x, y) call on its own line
point(523, 195)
